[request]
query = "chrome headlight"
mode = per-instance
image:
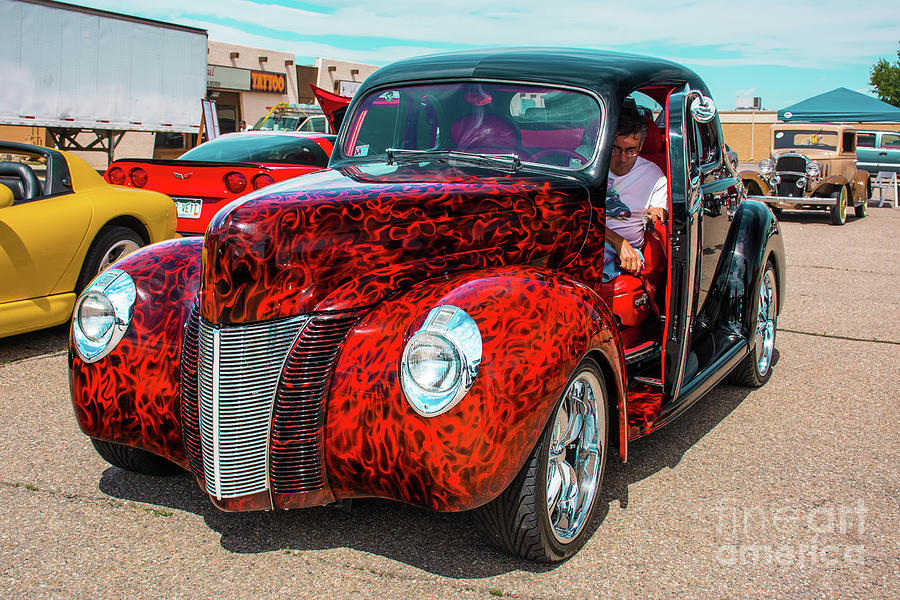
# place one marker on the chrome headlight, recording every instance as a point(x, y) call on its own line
point(767, 166)
point(813, 168)
point(440, 361)
point(801, 183)
point(102, 314)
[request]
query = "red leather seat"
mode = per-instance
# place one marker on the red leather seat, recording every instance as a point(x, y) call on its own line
point(654, 148)
point(631, 298)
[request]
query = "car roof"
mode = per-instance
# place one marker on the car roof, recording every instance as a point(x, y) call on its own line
point(255, 133)
point(603, 71)
point(799, 125)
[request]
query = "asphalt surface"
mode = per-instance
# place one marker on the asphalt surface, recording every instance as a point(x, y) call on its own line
point(790, 490)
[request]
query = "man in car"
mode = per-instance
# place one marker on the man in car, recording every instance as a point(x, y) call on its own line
point(636, 195)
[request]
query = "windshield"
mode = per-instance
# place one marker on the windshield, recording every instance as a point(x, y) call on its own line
point(280, 149)
point(810, 139)
point(536, 124)
point(279, 123)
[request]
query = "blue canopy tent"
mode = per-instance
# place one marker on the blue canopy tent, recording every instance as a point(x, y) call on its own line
point(840, 105)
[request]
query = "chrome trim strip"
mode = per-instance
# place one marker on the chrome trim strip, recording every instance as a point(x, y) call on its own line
point(217, 470)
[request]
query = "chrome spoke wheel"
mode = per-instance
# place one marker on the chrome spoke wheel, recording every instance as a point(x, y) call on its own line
point(576, 451)
point(115, 252)
point(766, 315)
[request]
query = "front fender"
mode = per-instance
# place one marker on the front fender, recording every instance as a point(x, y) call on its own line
point(753, 238)
point(131, 396)
point(826, 186)
point(754, 184)
point(536, 325)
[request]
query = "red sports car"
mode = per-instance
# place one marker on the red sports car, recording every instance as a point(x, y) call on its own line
point(208, 177)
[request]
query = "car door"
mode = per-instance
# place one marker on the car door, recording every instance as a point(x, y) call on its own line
point(38, 240)
point(889, 152)
point(687, 212)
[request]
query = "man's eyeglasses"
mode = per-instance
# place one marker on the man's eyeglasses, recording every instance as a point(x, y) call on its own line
point(628, 152)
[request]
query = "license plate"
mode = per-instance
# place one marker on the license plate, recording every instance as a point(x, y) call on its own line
point(188, 208)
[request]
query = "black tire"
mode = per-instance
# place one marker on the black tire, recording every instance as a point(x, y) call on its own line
point(860, 209)
point(134, 459)
point(756, 368)
point(110, 245)
point(519, 520)
point(839, 210)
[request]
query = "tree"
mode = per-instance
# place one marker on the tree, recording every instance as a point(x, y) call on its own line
point(885, 78)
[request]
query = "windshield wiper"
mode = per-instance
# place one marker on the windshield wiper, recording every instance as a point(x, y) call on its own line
point(509, 162)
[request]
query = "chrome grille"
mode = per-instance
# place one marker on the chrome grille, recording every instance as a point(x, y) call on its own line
point(239, 367)
point(788, 187)
point(297, 462)
point(190, 419)
point(791, 164)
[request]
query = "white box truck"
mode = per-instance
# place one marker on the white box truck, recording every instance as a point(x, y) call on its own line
point(73, 69)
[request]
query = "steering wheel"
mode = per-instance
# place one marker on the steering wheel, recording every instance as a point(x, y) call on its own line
point(562, 152)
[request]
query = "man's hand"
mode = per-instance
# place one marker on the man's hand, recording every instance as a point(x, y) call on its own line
point(629, 259)
point(654, 214)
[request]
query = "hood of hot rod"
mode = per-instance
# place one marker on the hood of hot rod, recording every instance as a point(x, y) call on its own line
point(346, 238)
point(282, 330)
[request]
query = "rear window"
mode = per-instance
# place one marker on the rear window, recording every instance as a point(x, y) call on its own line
point(262, 149)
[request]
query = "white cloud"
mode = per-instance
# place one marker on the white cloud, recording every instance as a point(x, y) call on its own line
point(803, 33)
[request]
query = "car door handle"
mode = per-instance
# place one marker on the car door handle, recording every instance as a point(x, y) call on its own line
point(882, 154)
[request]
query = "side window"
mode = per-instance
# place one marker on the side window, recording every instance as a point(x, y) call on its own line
point(890, 140)
point(849, 141)
point(865, 140)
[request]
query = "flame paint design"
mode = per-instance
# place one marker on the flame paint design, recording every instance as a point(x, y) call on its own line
point(513, 253)
point(377, 445)
point(131, 396)
point(344, 240)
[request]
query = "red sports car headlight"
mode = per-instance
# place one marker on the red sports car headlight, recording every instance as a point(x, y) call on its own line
point(262, 180)
point(138, 177)
point(235, 182)
point(116, 176)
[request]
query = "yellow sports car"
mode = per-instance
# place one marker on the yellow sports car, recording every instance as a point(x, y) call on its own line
point(57, 234)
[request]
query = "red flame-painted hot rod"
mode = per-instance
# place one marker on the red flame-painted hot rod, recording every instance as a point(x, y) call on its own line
point(427, 320)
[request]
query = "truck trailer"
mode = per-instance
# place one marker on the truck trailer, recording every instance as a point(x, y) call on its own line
point(75, 70)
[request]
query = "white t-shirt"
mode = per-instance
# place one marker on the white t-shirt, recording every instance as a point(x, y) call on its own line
point(629, 195)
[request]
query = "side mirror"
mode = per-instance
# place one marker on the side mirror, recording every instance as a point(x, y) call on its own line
point(703, 109)
point(6, 196)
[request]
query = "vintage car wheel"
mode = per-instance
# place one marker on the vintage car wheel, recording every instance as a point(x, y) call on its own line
point(110, 246)
point(756, 368)
point(546, 512)
point(860, 209)
point(134, 459)
point(839, 210)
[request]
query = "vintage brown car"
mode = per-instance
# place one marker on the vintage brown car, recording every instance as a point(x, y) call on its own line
point(812, 165)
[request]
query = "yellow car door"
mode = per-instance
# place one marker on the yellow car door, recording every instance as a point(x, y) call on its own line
point(38, 240)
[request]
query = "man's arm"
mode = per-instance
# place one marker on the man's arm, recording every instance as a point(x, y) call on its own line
point(659, 200)
point(629, 259)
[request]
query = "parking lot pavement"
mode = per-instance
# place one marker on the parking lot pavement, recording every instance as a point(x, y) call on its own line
point(787, 490)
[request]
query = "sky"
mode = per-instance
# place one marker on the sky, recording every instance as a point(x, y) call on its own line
point(783, 51)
